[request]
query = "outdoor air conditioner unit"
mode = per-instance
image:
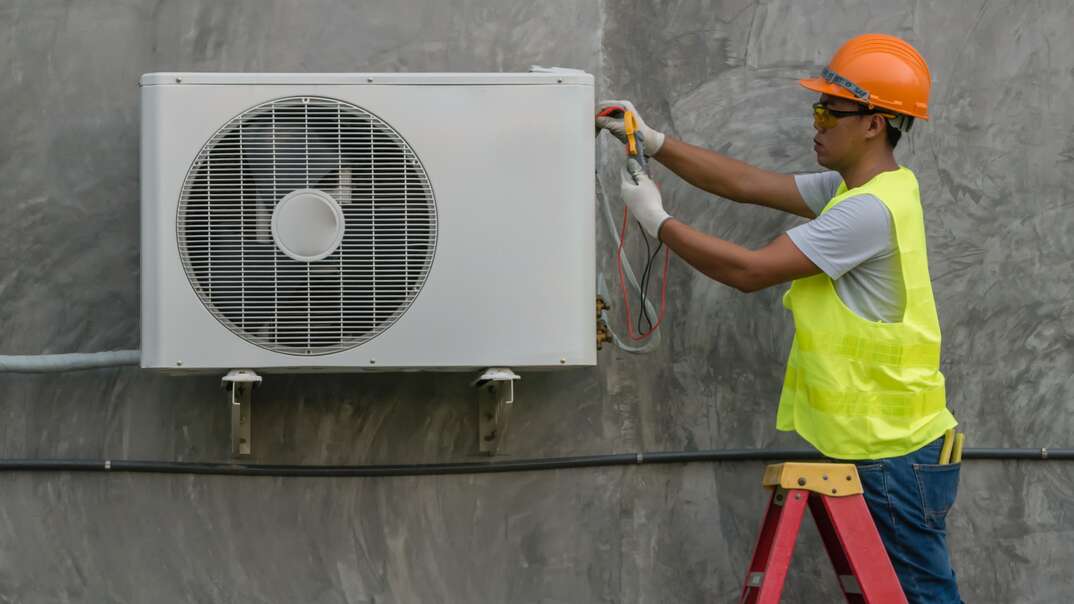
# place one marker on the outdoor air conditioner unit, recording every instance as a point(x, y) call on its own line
point(346, 222)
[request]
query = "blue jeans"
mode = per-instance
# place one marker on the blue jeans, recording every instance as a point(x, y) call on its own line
point(909, 497)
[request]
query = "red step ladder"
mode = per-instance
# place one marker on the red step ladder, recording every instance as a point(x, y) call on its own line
point(834, 495)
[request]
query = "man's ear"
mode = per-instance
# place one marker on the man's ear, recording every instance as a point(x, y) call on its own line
point(877, 126)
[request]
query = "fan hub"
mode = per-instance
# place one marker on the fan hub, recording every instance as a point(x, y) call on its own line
point(308, 225)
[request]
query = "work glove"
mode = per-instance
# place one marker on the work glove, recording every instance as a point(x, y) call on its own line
point(652, 139)
point(642, 198)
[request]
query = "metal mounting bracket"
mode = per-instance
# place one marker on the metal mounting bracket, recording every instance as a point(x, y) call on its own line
point(495, 398)
point(240, 384)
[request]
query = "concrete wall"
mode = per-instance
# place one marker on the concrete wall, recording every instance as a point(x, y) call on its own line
point(996, 166)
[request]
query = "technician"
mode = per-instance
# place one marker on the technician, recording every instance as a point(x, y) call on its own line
point(863, 379)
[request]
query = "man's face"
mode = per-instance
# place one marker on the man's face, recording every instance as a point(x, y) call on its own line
point(839, 144)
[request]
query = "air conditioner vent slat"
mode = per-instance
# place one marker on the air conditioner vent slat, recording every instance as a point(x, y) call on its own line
point(265, 295)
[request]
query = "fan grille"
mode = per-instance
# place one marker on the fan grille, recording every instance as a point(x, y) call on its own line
point(225, 225)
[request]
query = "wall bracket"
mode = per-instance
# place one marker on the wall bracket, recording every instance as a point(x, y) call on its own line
point(495, 399)
point(240, 384)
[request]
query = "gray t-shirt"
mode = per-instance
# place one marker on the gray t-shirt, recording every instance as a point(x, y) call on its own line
point(854, 244)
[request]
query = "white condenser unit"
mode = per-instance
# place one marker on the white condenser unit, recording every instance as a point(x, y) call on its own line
point(349, 222)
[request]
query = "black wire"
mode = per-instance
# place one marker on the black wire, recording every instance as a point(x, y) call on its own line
point(645, 277)
point(642, 286)
point(476, 467)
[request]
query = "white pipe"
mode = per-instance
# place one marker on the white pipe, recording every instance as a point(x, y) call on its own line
point(52, 363)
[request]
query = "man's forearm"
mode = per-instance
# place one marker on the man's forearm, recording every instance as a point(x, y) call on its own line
point(731, 178)
point(743, 269)
point(718, 259)
point(707, 170)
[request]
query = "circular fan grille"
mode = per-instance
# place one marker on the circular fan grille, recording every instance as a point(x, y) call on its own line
point(328, 147)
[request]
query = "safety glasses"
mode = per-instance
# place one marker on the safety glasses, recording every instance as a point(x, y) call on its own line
point(825, 117)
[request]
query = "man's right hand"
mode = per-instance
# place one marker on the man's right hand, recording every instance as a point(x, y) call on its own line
point(653, 139)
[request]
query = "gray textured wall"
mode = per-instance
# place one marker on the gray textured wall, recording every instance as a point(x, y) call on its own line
point(996, 166)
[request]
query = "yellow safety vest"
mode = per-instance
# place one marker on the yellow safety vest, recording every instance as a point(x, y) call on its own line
point(858, 389)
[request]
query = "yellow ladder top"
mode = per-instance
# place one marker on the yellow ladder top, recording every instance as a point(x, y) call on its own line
point(832, 479)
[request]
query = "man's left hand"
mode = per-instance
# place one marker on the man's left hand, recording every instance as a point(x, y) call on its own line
point(642, 198)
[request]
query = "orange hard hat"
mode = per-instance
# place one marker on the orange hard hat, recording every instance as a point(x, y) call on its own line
point(880, 71)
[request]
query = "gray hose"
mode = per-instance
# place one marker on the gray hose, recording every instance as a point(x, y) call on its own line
point(53, 363)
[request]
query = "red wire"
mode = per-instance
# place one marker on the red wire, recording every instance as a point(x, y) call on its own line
point(626, 296)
